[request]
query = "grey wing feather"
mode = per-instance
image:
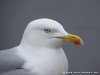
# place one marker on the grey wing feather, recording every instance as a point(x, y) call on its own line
point(9, 60)
point(17, 72)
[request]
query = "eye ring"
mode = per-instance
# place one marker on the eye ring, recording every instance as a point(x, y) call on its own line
point(47, 30)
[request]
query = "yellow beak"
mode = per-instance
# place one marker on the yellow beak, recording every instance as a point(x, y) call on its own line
point(72, 38)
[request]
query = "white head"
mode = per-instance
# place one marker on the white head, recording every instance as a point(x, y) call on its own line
point(44, 32)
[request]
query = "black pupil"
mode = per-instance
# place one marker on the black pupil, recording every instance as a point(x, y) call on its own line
point(47, 30)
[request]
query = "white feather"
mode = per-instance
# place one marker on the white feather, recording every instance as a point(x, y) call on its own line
point(42, 52)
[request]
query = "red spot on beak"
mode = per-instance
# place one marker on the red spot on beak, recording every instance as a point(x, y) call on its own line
point(76, 42)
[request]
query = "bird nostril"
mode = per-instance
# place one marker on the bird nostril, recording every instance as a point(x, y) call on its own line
point(73, 37)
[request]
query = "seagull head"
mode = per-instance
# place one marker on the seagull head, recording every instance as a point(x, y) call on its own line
point(48, 33)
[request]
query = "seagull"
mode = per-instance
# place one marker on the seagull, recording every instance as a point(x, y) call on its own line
point(40, 51)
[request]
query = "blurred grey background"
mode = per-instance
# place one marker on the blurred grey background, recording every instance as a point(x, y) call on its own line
point(80, 17)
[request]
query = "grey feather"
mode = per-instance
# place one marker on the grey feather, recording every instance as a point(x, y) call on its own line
point(9, 60)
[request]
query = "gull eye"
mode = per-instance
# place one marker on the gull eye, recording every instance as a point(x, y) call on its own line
point(47, 30)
